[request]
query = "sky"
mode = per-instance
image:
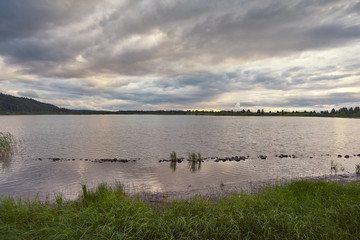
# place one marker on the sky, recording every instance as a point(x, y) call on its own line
point(179, 55)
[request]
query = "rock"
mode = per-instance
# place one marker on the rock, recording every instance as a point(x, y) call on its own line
point(262, 157)
point(339, 156)
point(346, 156)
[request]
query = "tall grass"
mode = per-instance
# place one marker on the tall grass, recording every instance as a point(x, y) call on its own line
point(7, 144)
point(299, 210)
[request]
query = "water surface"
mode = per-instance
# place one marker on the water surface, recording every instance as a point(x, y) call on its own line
point(148, 138)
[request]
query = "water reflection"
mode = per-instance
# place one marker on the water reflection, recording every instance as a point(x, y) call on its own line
point(194, 166)
point(173, 165)
point(5, 161)
point(314, 141)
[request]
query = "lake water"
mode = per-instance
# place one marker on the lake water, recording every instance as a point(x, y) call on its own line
point(316, 143)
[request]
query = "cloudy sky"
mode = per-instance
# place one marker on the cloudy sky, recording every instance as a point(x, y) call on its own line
point(188, 54)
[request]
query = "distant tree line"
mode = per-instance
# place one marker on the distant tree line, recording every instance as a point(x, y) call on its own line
point(11, 105)
point(343, 112)
point(20, 105)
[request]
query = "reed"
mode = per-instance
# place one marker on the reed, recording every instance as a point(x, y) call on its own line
point(7, 144)
point(173, 157)
point(193, 157)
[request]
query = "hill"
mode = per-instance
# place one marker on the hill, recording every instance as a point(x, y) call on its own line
point(20, 105)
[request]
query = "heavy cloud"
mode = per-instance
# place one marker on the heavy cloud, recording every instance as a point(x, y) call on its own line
point(181, 54)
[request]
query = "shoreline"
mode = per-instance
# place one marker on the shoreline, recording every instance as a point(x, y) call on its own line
point(216, 192)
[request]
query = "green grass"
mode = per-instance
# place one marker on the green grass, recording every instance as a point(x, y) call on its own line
point(193, 157)
point(7, 143)
point(173, 157)
point(299, 210)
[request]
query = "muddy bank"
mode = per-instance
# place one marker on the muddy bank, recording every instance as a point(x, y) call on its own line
point(215, 192)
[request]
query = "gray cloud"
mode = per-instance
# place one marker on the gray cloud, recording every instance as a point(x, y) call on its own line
point(28, 18)
point(30, 94)
point(177, 52)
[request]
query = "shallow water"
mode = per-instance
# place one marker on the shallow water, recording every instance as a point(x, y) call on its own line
point(315, 142)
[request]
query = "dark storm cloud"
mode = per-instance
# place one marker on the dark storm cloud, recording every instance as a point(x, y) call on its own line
point(27, 18)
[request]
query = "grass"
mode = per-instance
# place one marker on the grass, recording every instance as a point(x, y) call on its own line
point(357, 169)
point(173, 157)
point(193, 157)
point(299, 210)
point(7, 144)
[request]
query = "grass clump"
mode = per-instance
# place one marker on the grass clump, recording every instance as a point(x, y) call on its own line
point(193, 157)
point(7, 144)
point(173, 157)
point(299, 210)
point(357, 169)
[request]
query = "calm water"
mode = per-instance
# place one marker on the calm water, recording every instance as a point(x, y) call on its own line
point(315, 141)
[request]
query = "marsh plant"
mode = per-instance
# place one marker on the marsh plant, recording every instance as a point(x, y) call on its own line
point(194, 161)
point(173, 157)
point(7, 144)
point(193, 157)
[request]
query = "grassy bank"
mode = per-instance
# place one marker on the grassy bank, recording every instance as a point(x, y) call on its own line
point(299, 210)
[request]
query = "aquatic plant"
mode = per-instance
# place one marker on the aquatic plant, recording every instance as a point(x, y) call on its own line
point(193, 157)
point(173, 157)
point(7, 144)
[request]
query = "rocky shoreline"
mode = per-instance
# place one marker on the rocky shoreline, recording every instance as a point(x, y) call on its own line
point(180, 160)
